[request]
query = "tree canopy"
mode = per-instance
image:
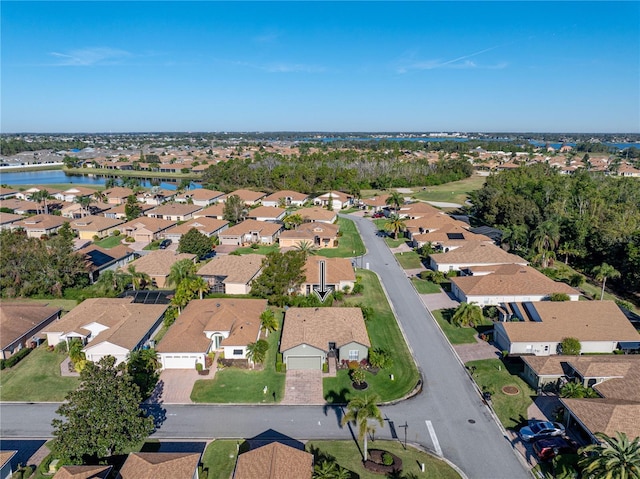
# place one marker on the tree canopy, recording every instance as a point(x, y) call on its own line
point(194, 242)
point(282, 273)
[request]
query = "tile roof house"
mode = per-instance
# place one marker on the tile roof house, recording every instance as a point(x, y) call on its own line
point(21, 207)
point(174, 211)
point(541, 327)
point(7, 220)
point(473, 254)
point(231, 274)
point(160, 465)
point(157, 264)
point(338, 199)
point(250, 232)
point(274, 461)
point(206, 325)
point(214, 211)
point(317, 215)
point(312, 335)
point(90, 226)
point(21, 324)
point(40, 225)
point(7, 193)
point(200, 197)
point(375, 204)
point(71, 194)
point(285, 198)
point(205, 225)
point(83, 472)
point(419, 209)
point(448, 237)
point(145, 229)
point(249, 197)
point(605, 415)
point(100, 259)
point(118, 211)
point(267, 213)
point(339, 274)
point(156, 196)
point(108, 326)
point(507, 283)
point(320, 235)
point(117, 195)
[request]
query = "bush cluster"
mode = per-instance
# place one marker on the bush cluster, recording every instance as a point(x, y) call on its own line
point(15, 359)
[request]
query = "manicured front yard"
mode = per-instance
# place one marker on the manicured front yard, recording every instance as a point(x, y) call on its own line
point(458, 334)
point(348, 242)
point(409, 260)
point(235, 385)
point(261, 249)
point(384, 333)
point(36, 378)
point(219, 459)
point(347, 455)
point(425, 287)
point(492, 375)
point(110, 241)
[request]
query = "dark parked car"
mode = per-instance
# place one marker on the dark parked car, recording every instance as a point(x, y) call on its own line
point(165, 243)
point(378, 215)
point(550, 447)
point(539, 429)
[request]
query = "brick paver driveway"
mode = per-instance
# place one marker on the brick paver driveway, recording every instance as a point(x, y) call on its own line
point(303, 386)
point(175, 385)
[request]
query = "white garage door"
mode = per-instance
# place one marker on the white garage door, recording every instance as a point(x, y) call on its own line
point(304, 362)
point(182, 361)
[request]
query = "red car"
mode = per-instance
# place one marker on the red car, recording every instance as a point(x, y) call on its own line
point(549, 448)
point(378, 215)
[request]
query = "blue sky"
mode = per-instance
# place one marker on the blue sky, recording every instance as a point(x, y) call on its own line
point(320, 66)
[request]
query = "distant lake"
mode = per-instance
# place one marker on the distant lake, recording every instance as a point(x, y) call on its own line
point(47, 177)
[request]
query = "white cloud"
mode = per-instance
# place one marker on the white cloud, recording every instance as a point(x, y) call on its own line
point(91, 56)
point(461, 63)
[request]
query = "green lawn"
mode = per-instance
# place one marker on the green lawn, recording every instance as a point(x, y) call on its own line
point(347, 455)
point(235, 385)
point(454, 192)
point(384, 332)
point(458, 334)
point(394, 243)
point(219, 459)
point(409, 260)
point(349, 242)
point(36, 378)
point(491, 375)
point(110, 242)
point(425, 287)
point(261, 249)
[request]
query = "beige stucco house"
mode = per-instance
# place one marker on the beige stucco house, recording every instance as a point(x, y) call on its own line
point(231, 274)
point(320, 235)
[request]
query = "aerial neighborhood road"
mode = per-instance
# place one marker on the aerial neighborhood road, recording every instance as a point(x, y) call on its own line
point(448, 417)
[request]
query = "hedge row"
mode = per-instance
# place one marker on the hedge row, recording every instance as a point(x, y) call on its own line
point(15, 359)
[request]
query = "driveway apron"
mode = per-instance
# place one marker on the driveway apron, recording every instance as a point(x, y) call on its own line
point(303, 386)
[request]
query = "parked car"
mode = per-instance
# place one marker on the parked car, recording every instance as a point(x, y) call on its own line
point(378, 215)
point(165, 243)
point(539, 429)
point(550, 447)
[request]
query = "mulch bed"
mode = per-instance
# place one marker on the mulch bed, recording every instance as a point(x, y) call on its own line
point(361, 386)
point(510, 390)
point(375, 464)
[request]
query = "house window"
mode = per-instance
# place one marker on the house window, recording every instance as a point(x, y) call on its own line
point(354, 355)
point(237, 352)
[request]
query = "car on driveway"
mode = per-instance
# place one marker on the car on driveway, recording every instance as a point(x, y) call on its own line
point(378, 215)
point(164, 244)
point(539, 429)
point(550, 447)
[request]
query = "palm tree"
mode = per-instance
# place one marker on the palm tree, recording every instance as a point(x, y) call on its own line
point(138, 278)
point(268, 322)
point(614, 458)
point(467, 314)
point(293, 221)
point(395, 224)
point(307, 247)
point(84, 202)
point(41, 197)
point(257, 352)
point(395, 199)
point(569, 248)
point(100, 197)
point(545, 240)
point(603, 272)
point(199, 285)
point(324, 470)
point(359, 411)
point(516, 236)
point(181, 270)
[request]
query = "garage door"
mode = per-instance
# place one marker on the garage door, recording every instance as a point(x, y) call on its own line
point(183, 361)
point(304, 362)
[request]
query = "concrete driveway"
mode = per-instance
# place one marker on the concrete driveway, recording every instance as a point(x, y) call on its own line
point(439, 301)
point(303, 386)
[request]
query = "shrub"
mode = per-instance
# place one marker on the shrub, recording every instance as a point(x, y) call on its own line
point(15, 359)
point(116, 233)
point(358, 288)
point(325, 367)
point(624, 304)
point(358, 375)
point(96, 238)
point(576, 280)
point(570, 347)
point(199, 367)
point(129, 239)
point(387, 459)
point(379, 358)
point(254, 246)
point(353, 365)
point(559, 297)
point(61, 347)
point(490, 312)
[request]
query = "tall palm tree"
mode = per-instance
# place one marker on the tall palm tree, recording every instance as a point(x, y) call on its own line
point(545, 239)
point(467, 314)
point(307, 247)
point(199, 285)
point(41, 197)
point(138, 278)
point(359, 411)
point(614, 458)
point(257, 352)
point(603, 272)
point(268, 322)
point(395, 199)
point(395, 224)
point(84, 202)
point(181, 270)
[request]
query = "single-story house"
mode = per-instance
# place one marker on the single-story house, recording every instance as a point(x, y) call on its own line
point(248, 197)
point(338, 274)
point(447, 238)
point(375, 204)
point(26, 194)
point(7, 220)
point(119, 211)
point(21, 207)
point(200, 197)
point(40, 225)
point(317, 215)
point(145, 229)
point(70, 195)
point(83, 472)
point(311, 335)
point(76, 210)
point(231, 274)
point(249, 232)
point(91, 226)
point(205, 225)
point(174, 211)
point(21, 324)
point(160, 465)
point(338, 200)
point(101, 259)
point(285, 198)
point(320, 235)
point(538, 328)
point(274, 461)
point(117, 195)
point(156, 196)
point(473, 254)
point(603, 415)
point(108, 326)
point(216, 211)
point(207, 325)
point(508, 283)
point(157, 264)
point(267, 213)
point(7, 192)
point(418, 209)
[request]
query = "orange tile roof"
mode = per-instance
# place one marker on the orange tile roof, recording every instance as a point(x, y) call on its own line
point(266, 212)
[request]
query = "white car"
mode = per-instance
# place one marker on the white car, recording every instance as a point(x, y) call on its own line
point(539, 429)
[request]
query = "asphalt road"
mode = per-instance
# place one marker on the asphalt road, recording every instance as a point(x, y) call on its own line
point(448, 417)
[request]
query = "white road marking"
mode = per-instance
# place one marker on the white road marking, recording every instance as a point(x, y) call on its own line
point(434, 438)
